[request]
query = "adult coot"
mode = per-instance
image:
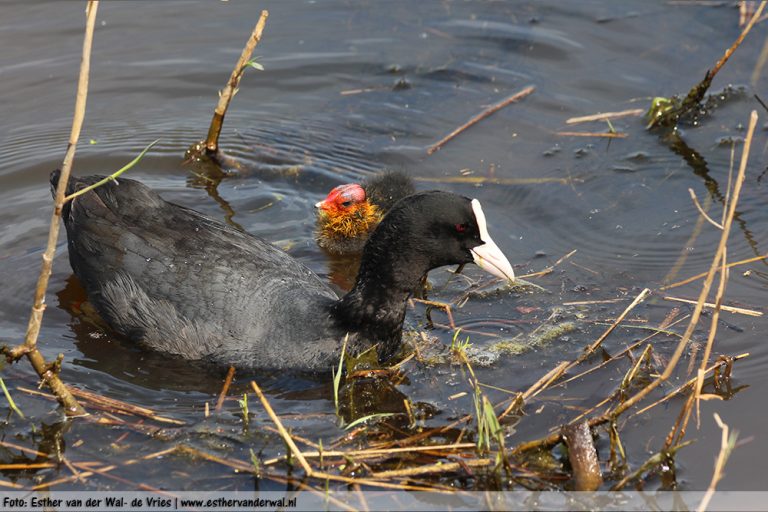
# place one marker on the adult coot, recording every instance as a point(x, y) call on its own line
point(350, 212)
point(178, 281)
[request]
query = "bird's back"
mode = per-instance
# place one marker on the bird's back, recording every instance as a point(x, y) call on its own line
point(180, 282)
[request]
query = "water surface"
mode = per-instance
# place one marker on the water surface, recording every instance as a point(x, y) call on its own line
point(353, 88)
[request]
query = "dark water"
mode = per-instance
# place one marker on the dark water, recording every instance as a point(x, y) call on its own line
point(415, 71)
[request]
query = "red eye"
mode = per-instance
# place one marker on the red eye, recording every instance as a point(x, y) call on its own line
point(460, 228)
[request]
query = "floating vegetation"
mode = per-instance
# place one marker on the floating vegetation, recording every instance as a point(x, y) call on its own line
point(667, 112)
point(543, 336)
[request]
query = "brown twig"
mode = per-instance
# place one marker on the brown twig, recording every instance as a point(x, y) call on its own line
point(701, 210)
point(550, 268)
point(720, 259)
point(707, 281)
point(23, 449)
point(378, 452)
point(440, 467)
point(49, 372)
point(615, 357)
point(536, 388)
point(283, 432)
point(704, 274)
point(730, 309)
point(605, 116)
point(605, 135)
point(212, 140)
point(696, 94)
point(479, 117)
point(481, 180)
point(225, 388)
point(727, 442)
point(109, 404)
point(685, 385)
point(594, 346)
point(654, 460)
point(32, 465)
point(720, 63)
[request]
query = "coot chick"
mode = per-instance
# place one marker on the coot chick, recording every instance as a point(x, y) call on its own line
point(177, 281)
point(350, 212)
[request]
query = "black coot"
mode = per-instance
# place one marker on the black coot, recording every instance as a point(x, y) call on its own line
point(178, 281)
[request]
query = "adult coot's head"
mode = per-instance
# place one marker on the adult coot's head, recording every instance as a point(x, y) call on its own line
point(431, 229)
point(422, 231)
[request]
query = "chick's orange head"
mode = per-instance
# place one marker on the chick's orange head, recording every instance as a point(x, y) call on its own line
point(342, 198)
point(346, 213)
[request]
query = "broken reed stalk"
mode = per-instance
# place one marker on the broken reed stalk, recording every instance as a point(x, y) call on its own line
point(605, 135)
point(49, 372)
point(563, 367)
point(682, 387)
point(439, 468)
point(283, 432)
point(594, 346)
point(727, 444)
point(696, 94)
point(713, 325)
point(479, 117)
point(550, 268)
point(721, 307)
point(617, 356)
point(701, 210)
point(678, 430)
point(694, 319)
point(605, 116)
point(320, 474)
point(707, 281)
point(225, 388)
point(653, 461)
point(704, 274)
point(229, 91)
point(377, 452)
point(479, 180)
point(727, 55)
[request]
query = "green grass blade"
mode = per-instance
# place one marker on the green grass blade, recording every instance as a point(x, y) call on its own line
point(369, 417)
point(112, 177)
point(10, 399)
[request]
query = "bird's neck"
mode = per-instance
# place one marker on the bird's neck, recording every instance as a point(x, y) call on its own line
point(375, 307)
